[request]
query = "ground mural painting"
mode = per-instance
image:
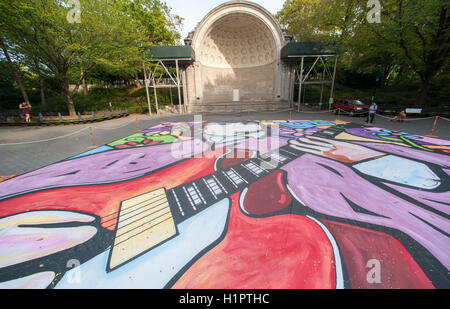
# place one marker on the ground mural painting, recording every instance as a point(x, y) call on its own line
point(270, 204)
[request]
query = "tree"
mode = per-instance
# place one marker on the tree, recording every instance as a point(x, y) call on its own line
point(109, 34)
point(412, 34)
point(14, 72)
point(41, 79)
point(419, 33)
point(320, 20)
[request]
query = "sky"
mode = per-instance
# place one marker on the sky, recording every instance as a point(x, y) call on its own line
point(193, 11)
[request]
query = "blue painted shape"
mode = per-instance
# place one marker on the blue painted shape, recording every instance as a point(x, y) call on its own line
point(402, 171)
point(154, 269)
point(90, 152)
point(306, 124)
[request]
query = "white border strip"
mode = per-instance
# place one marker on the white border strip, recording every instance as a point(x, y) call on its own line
point(337, 256)
point(46, 140)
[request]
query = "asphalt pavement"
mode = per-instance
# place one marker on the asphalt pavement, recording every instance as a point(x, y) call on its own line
point(25, 149)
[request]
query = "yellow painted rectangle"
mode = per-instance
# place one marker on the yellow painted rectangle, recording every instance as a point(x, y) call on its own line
point(142, 212)
point(144, 222)
point(145, 199)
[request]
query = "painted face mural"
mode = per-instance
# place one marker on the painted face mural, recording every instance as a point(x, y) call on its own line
point(270, 204)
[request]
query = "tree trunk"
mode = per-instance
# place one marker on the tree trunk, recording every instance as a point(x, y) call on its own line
point(136, 79)
point(426, 78)
point(68, 97)
point(70, 105)
point(83, 83)
point(15, 74)
point(423, 94)
point(41, 81)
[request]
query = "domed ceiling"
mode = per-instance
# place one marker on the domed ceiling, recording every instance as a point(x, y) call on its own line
point(238, 41)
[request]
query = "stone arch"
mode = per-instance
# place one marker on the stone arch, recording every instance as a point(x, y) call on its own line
point(238, 47)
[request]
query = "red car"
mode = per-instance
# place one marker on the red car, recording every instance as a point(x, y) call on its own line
point(351, 107)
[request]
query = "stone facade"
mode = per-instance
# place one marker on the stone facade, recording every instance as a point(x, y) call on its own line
point(237, 47)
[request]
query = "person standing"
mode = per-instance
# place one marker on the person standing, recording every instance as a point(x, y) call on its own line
point(372, 111)
point(25, 108)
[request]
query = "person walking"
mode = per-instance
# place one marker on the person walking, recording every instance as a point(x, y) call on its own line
point(25, 108)
point(372, 111)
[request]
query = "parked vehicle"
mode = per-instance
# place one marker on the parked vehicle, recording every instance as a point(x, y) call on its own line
point(350, 107)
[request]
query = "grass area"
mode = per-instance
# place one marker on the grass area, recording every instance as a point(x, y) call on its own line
point(99, 99)
point(132, 98)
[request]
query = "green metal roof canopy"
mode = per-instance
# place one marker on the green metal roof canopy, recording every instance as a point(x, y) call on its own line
point(185, 53)
point(295, 50)
point(291, 51)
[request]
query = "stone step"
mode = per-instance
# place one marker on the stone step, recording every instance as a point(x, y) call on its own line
point(231, 107)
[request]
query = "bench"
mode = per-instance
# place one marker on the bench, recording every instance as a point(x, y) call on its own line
point(413, 111)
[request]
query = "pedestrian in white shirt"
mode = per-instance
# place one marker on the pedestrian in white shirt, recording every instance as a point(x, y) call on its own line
point(373, 110)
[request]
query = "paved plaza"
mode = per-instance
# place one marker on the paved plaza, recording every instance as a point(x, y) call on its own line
point(19, 156)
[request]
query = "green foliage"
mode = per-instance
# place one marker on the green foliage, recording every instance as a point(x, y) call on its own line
point(409, 47)
point(106, 44)
point(9, 96)
point(131, 98)
point(321, 20)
